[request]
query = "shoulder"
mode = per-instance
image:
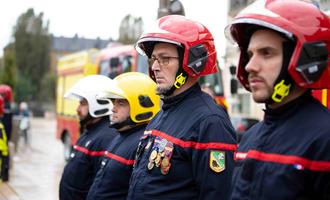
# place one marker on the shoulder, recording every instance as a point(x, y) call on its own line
point(249, 136)
point(204, 105)
point(315, 117)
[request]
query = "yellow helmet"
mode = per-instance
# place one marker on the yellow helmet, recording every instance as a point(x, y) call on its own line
point(140, 92)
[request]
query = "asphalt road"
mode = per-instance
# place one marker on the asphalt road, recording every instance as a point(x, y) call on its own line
point(37, 167)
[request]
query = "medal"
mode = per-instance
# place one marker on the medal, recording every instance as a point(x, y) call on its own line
point(160, 155)
point(153, 155)
point(165, 162)
point(164, 170)
point(157, 160)
point(150, 165)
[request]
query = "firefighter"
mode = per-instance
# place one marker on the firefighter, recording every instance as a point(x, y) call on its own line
point(284, 54)
point(187, 149)
point(134, 103)
point(3, 144)
point(79, 172)
point(7, 94)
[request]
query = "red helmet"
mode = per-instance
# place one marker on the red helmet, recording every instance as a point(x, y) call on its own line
point(6, 92)
point(300, 21)
point(199, 56)
point(2, 106)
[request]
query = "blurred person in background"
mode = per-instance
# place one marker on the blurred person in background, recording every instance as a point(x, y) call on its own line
point(4, 151)
point(79, 172)
point(24, 124)
point(284, 54)
point(208, 90)
point(134, 104)
point(188, 147)
point(7, 94)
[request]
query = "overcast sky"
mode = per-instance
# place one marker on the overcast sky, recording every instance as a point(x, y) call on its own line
point(101, 18)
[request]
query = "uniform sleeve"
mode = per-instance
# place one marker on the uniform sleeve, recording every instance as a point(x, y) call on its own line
point(212, 157)
point(321, 179)
point(101, 146)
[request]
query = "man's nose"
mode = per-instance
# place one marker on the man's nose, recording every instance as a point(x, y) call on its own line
point(155, 66)
point(252, 65)
point(114, 110)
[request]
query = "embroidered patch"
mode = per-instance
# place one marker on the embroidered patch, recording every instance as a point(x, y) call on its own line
point(217, 161)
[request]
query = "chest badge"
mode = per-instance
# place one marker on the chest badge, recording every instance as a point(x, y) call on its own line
point(217, 161)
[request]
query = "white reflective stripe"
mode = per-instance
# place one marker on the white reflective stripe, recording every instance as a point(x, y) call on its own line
point(264, 24)
point(156, 39)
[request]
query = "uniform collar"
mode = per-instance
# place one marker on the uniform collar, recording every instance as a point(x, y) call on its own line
point(104, 120)
point(173, 101)
point(133, 129)
point(287, 109)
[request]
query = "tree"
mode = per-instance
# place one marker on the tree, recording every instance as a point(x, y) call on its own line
point(32, 50)
point(130, 29)
point(8, 68)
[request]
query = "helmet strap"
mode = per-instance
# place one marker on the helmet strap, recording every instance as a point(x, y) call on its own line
point(127, 122)
point(284, 82)
point(181, 76)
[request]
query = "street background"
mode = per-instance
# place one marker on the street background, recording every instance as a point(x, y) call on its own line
point(36, 169)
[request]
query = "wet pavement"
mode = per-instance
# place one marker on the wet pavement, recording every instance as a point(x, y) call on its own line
point(36, 167)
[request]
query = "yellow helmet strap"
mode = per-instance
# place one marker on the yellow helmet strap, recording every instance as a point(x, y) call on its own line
point(180, 80)
point(281, 90)
point(283, 83)
point(181, 75)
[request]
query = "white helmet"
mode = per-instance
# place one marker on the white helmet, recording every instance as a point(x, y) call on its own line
point(87, 88)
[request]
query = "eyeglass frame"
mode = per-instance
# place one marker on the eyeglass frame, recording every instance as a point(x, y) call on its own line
point(162, 60)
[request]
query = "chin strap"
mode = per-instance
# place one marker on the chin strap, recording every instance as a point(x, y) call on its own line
point(126, 122)
point(180, 80)
point(181, 76)
point(281, 90)
point(284, 82)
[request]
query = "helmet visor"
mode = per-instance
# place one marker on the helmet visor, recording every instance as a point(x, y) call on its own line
point(145, 45)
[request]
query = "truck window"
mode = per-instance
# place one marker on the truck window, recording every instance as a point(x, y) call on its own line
point(104, 67)
point(127, 63)
point(142, 64)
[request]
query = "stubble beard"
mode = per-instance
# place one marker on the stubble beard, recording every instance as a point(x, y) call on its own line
point(162, 90)
point(264, 98)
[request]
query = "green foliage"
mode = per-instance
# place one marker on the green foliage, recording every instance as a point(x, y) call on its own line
point(24, 90)
point(130, 29)
point(8, 69)
point(47, 91)
point(32, 50)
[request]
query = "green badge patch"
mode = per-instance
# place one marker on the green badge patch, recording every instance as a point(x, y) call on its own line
point(217, 161)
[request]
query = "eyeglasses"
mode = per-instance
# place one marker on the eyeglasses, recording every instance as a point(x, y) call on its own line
point(162, 61)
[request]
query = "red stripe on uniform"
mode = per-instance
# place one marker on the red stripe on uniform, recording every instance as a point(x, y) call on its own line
point(119, 158)
point(285, 159)
point(88, 152)
point(195, 145)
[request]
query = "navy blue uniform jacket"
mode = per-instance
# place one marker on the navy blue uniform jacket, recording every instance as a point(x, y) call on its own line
point(111, 181)
point(80, 171)
point(186, 151)
point(287, 155)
